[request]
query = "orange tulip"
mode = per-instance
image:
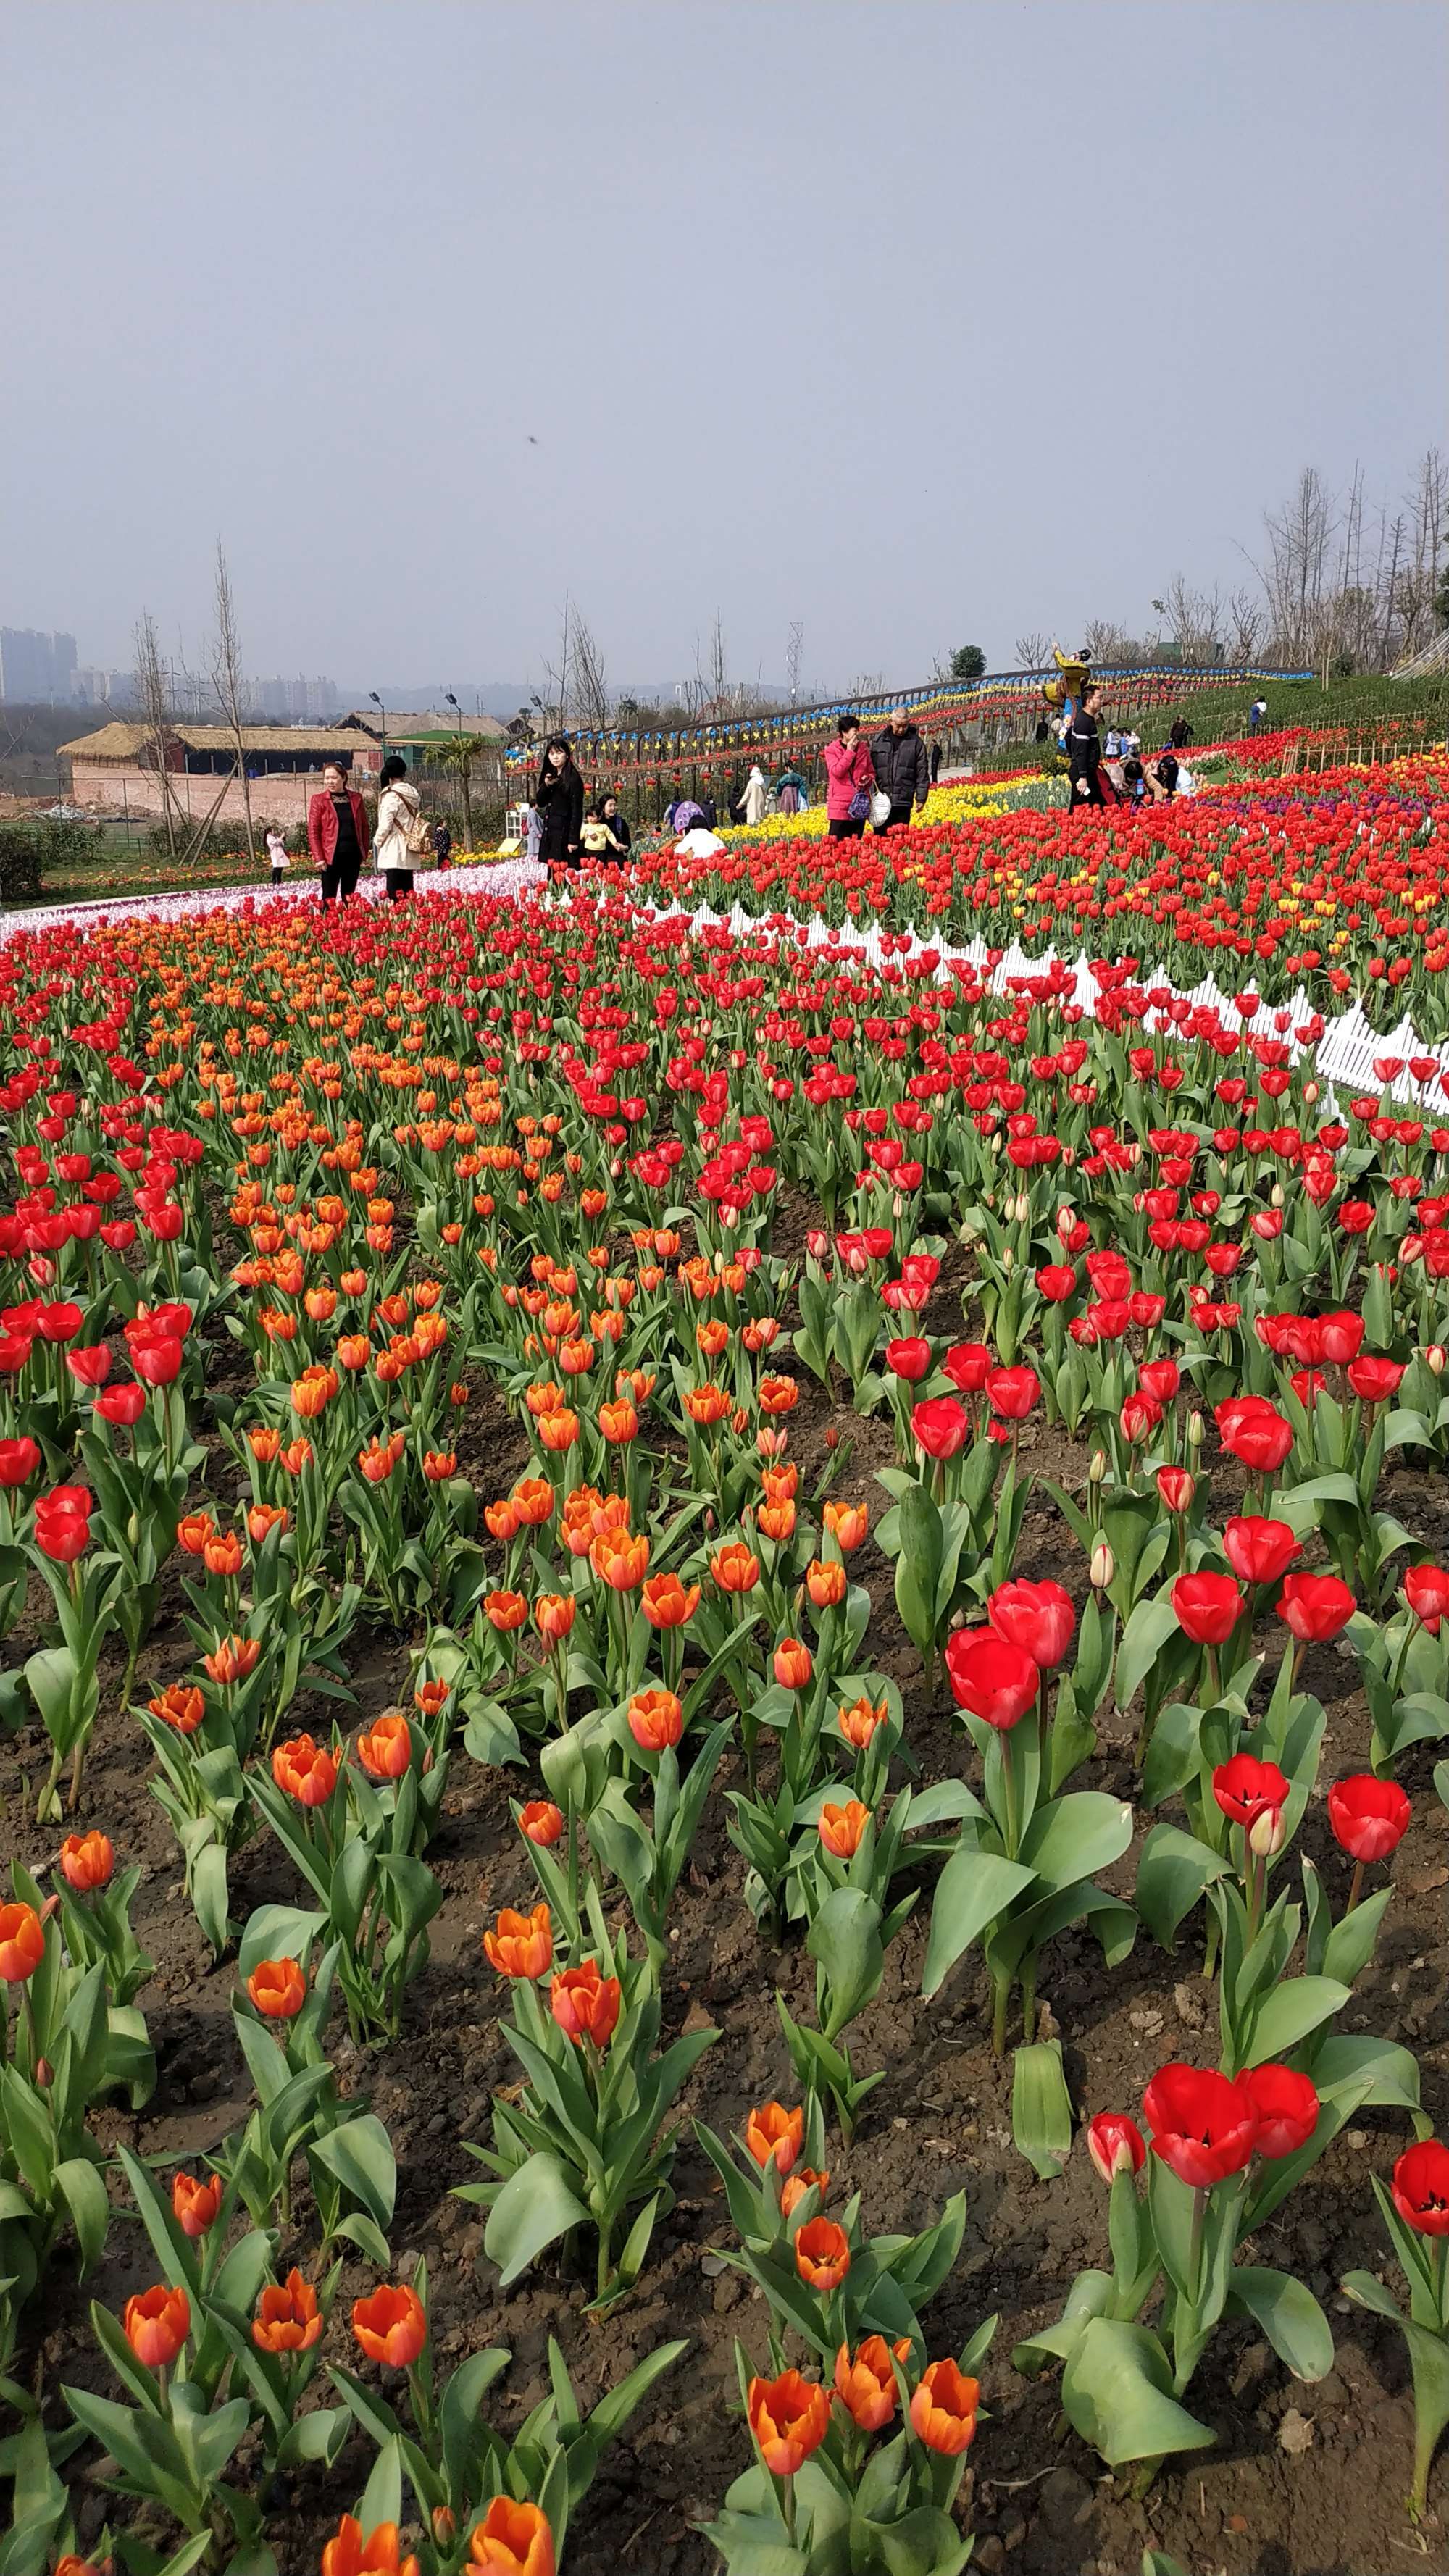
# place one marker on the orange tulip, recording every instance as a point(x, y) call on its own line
point(429, 1697)
point(866, 2387)
point(503, 1520)
point(777, 1521)
point(558, 1431)
point(305, 1770)
point(513, 2539)
point(521, 1945)
point(232, 1658)
point(734, 1568)
point(265, 1444)
point(193, 1531)
point(826, 1582)
point(858, 1723)
point(666, 1603)
point(655, 1720)
point(847, 1524)
point(553, 1615)
point(774, 2135)
point(780, 1484)
point(195, 2204)
point(707, 1405)
point(263, 1518)
point(841, 1828)
point(354, 1350)
point(943, 2409)
point(287, 2319)
point(439, 1465)
point(157, 2324)
point(618, 1422)
point(822, 2253)
point(619, 1560)
point(386, 1750)
point(541, 1821)
point(391, 2325)
point(376, 2554)
point(789, 2418)
point(796, 2185)
point(585, 2003)
point(179, 1706)
point(277, 1988)
point(505, 1611)
point(86, 1861)
point(794, 1665)
point(22, 1943)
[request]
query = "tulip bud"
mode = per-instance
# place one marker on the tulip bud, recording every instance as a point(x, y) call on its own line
point(1434, 1358)
point(1196, 1429)
point(1097, 1472)
point(44, 2074)
point(1008, 1261)
point(133, 1530)
point(445, 2524)
point(1276, 1198)
point(1022, 1209)
point(1103, 1566)
point(1311, 1092)
point(1267, 1833)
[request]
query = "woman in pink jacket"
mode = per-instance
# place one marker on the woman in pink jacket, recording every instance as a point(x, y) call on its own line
point(849, 776)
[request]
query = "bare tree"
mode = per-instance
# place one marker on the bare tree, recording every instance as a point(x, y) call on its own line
point(1425, 535)
point(1243, 618)
point(1298, 535)
point(151, 688)
point(1033, 651)
point(589, 685)
point(1194, 617)
point(867, 684)
point(228, 680)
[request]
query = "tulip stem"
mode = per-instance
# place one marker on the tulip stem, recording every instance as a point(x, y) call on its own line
point(787, 2508)
point(1001, 2001)
point(1356, 1888)
point(77, 1774)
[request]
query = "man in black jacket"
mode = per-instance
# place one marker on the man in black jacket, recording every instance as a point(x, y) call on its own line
point(1084, 750)
point(902, 768)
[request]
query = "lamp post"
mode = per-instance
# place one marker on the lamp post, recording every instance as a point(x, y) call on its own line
point(382, 711)
point(464, 763)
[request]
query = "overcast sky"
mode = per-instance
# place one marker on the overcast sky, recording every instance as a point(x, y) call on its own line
point(926, 324)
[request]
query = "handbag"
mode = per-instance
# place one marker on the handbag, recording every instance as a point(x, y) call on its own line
point(880, 809)
point(858, 810)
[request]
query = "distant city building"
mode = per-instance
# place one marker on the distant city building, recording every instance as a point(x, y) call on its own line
point(302, 701)
point(35, 669)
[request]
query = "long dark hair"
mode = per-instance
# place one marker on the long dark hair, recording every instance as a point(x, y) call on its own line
point(556, 777)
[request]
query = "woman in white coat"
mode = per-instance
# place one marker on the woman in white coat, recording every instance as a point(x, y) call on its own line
point(756, 797)
point(397, 811)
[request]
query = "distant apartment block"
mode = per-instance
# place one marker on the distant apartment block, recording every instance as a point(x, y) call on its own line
point(303, 701)
point(35, 669)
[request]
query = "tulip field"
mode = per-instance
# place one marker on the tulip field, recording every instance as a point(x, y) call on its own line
point(725, 1711)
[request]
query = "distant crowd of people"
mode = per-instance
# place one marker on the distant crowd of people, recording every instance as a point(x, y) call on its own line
point(1113, 772)
point(881, 782)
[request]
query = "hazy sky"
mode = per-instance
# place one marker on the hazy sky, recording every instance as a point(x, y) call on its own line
point(923, 323)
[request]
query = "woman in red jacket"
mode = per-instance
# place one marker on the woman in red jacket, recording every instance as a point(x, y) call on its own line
point(337, 833)
point(849, 778)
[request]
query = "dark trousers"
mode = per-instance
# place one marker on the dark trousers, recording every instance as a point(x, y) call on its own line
point(340, 878)
point(898, 814)
point(279, 876)
point(398, 882)
point(846, 827)
point(1086, 788)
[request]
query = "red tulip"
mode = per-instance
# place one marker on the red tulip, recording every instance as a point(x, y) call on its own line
point(122, 1405)
point(1255, 1431)
point(18, 1462)
point(1315, 1607)
point(1421, 2188)
point(1246, 1789)
point(909, 1358)
point(1207, 1607)
point(995, 1680)
point(1114, 2144)
point(1259, 1551)
point(1426, 1590)
point(1012, 1392)
point(939, 1426)
point(1177, 1490)
point(1287, 2108)
point(1369, 1816)
point(1203, 2124)
point(1038, 1617)
point(1374, 1379)
point(966, 1365)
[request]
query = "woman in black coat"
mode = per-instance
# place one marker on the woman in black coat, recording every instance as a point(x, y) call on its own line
point(559, 798)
